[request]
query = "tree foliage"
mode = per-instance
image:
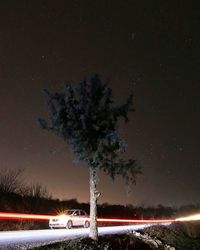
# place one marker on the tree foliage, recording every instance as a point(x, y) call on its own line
point(86, 118)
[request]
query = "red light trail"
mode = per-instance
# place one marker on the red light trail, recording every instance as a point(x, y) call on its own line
point(21, 216)
point(136, 221)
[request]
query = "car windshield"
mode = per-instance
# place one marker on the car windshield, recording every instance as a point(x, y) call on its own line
point(69, 212)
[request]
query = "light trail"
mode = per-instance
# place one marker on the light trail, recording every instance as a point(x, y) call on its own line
point(22, 216)
point(136, 221)
point(27, 239)
point(33, 238)
point(194, 217)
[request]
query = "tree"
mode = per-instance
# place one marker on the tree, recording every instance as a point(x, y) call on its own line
point(11, 181)
point(85, 117)
point(37, 191)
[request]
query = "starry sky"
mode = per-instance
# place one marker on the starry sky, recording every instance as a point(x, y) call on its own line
point(151, 45)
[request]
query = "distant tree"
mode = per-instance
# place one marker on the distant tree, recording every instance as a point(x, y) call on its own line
point(11, 181)
point(85, 117)
point(37, 191)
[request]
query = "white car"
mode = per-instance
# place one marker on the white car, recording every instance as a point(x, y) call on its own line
point(70, 218)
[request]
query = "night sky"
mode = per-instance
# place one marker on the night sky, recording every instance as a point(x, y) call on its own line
point(151, 45)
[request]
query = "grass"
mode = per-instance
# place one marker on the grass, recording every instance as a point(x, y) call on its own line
point(117, 242)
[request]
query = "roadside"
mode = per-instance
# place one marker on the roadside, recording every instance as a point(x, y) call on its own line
point(177, 236)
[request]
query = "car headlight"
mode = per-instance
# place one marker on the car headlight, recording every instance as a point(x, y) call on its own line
point(62, 218)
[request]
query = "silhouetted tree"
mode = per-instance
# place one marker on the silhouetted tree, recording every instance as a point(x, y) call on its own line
point(37, 191)
point(85, 117)
point(11, 181)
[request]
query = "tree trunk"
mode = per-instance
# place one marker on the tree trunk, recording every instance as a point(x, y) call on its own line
point(94, 194)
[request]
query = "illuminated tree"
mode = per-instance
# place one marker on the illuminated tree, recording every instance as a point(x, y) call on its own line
point(85, 117)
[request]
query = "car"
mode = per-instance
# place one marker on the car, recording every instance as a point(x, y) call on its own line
point(69, 219)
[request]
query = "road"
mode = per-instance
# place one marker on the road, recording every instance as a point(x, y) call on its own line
point(30, 238)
